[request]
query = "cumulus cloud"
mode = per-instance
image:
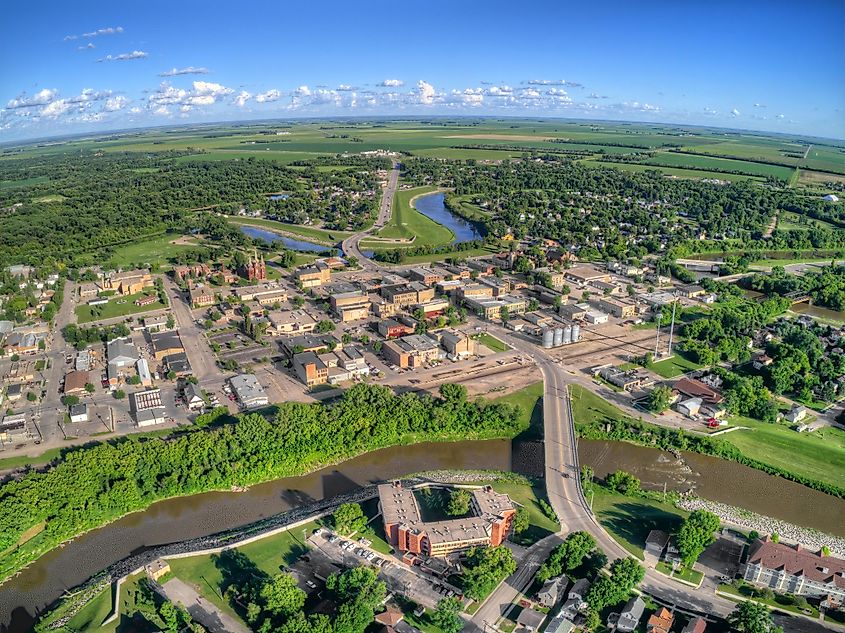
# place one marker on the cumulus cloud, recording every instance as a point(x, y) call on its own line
point(187, 70)
point(735, 112)
point(111, 30)
point(55, 108)
point(241, 99)
point(553, 82)
point(302, 91)
point(113, 104)
point(42, 97)
point(124, 57)
point(346, 88)
point(425, 92)
point(267, 97)
point(594, 95)
point(641, 107)
point(203, 93)
point(86, 47)
point(391, 83)
point(759, 105)
point(710, 111)
point(780, 116)
point(498, 91)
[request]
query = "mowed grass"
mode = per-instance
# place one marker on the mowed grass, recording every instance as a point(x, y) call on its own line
point(117, 307)
point(492, 343)
point(696, 161)
point(92, 615)
point(157, 250)
point(819, 455)
point(528, 401)
point(675, 366)
point(406, 222)
point(630, 519)
point(669, 171)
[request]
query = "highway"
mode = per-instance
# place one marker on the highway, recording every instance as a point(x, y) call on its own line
point(350, 244)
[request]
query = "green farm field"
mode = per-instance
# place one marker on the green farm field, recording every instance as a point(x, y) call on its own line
point(694, 161)
point(670, 171)
point(406, 222)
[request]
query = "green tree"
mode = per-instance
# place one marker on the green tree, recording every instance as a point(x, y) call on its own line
point(521, 520)
point(567, 556)
point(753, 617)
point(459, 502)
point(281, 596)
point(659, 399)
point(120, 394)
point(452, 393)
point(485, 568)
point(696, 534)
point(623, 483)
point(625, 574)
point(447, 615)
point(89, 388)
point(349, 518)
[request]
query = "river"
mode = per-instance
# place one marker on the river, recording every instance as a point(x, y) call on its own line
point(289, 242)
point(188, 517)
point(433, 206)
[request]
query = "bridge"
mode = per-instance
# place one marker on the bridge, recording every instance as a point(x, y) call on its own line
point(799, 296)
point(700, 265)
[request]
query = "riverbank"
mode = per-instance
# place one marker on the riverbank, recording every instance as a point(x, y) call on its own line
point(300, 439)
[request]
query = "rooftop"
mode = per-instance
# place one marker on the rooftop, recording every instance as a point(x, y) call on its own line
point(797, 561)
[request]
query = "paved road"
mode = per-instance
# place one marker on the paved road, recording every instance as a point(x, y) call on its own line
point(199, 354)
point(209, 615)
point(350, 244)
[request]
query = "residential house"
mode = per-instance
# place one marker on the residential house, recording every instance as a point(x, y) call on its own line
point(191, 271)
point(576, 598)
point(796, 414)
point(530, 620)
point(192, 395)
point(696, 625)
point(630, 616)
point(655, 543)
point(78, 413)
point(559, 624)
point(551, 591)
point(661, 621)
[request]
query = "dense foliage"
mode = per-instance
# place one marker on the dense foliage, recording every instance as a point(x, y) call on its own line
point(825, 288)
point(696, 534)
point(96, 484)
point(625, 574)
point(567, 556)
point(485, 568)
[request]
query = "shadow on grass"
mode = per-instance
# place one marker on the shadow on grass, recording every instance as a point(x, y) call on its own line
point(633, 521)
point(240, 576)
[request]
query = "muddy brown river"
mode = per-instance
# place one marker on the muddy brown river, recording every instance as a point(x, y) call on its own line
point(199, 515)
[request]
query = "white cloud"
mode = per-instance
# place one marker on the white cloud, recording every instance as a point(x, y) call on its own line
point(302, 91)
point(425, 92)
point(735, 112)
point(710, 111)
point(111, 30)
point(529, 93)
point(86, 47)
point(55, 108)
point(212, 89)
point(123, 57)
point(499, 91)
point(203, 93)
point(270, 96)
point(391, 83)
point(241, 99)
point(162, 111)
point(553, 82)
point(780, 116)
point(42, 97)
point(346, 88)
point(642, 107)
point(188, 70)
point(469, 96)
point(759, 105)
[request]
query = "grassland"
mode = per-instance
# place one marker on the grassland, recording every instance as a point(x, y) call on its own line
point(492, 343)
point(694, 161)
point(406, 222)
point(91, 617)
point(116, 307)
point(819, 455)
point(154, 251)
point(675, 366)
point(630, 519)
point(669, 171)
point(527, 399)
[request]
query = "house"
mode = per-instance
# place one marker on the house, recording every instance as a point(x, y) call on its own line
point(655, 543)
point(249, 391)
point(796, 414)
point(551, 591)
point(760, 360)
point(193, 397)
point(75, 382)
point(576, 598)
point(201, 297)
point(530, 620)
point(691, 291)
point(793, 569)
point(559, 624)
point(310, 369)
point(630, 616)
point(661, 621)
point(165, 344)
point(696, 625)
point(390, 617)
point(78, 413)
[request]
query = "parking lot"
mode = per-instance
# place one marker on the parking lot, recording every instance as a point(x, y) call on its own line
point(721, 559)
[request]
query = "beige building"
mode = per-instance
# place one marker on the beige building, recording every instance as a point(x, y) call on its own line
point(617, 307)
point(290, 322)
point(313, 276)
point(492, 309)
point(129, 282)
point(411, 351)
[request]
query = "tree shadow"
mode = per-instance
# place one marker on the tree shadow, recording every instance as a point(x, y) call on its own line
point(633, 521)
point(336, 483)
point(296, 498)
point(241, 578)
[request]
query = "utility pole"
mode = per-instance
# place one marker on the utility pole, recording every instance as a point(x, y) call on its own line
point(657, 336)
point(672, 326)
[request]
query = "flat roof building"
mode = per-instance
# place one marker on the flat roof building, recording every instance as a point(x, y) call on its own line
point(249, 391)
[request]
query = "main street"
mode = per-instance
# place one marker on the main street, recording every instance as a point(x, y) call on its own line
point(350, 244)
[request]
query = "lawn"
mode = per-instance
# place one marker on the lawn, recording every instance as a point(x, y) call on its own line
point(819, 455)
point(492, 343)
point(529, 401)
point(91, 616)
point(587, 407)
point(117, 307)
point(630, 519)
point(682, 573)
point(16, 461)
point(156, 250)
point(675, 366)
point(779, 602)
point(406, 222)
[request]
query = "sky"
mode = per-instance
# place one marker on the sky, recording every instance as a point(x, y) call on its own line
point(72, 67)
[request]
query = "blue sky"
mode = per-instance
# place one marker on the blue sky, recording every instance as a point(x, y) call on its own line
point(70, 67)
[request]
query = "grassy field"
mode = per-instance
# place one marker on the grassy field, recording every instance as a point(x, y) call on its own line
point(630, 519)
point(587, 407)
point(117, 307)
point(17, 461)
point(675, 366)
point(819, 455)
point(682, 573)
point(669, 171)
point(406, 222)
point(695, 161)
point(746, 591)
point(492, 343)
point(156, 250)
point(90, 618)
point(528, 401)
point(790, 221)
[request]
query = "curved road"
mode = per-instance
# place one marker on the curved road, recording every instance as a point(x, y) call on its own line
point(350, 244)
